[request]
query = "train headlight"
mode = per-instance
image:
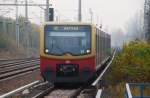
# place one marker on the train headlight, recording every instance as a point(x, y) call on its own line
point(73, 69)
point(46, 50)
point(61, 69)
point(88, 51)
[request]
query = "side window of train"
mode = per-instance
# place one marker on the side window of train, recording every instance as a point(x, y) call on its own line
point(97, 42)
point(97, 45)
point(101, 47)
point(102, 43)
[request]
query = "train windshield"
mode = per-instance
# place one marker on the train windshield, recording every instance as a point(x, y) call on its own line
point(61, 40)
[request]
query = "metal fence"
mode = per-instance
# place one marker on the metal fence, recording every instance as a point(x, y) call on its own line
point(140, 86)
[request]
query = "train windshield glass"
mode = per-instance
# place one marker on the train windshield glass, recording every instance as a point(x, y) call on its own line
point(61, 40)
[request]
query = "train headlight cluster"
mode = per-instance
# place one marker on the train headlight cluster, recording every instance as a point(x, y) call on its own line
point(61, 69)
point(73, 69)
point(46, 50)
point(88, 51)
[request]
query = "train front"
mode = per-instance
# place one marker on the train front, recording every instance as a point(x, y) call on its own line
point(67, 53)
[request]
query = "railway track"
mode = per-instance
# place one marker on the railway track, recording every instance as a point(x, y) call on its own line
point(39, 89)
point(17, 62)
point(14, 68)
point(88, 90)
point(63, 93)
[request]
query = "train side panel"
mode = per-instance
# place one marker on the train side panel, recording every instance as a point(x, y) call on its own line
point(103, 46)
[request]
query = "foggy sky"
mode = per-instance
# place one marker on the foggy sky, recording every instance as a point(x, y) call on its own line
point(111, 13)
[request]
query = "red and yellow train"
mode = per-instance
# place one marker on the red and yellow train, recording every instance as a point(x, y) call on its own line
point(72, 52)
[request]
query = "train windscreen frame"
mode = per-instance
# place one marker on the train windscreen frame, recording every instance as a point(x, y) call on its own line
point(67, 39)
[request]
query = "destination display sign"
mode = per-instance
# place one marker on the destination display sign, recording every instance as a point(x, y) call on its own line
point(67, 28)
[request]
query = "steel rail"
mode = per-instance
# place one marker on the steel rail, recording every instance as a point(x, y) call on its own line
point(43, 93)
point(9, 4)
point(7, 75)
point(78, 91)
point(19, 89)
point(17, 63)
point(103, 72)
point(5, 60)
point(72, 95)
point(18, 75)
point(14, 68)
point(10, 70)
point(5, 63)
point(53, 92)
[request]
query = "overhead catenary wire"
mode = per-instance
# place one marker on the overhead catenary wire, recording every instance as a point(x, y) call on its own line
point(10, 4)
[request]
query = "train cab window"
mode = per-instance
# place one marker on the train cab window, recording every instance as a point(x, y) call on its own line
point(61, 42)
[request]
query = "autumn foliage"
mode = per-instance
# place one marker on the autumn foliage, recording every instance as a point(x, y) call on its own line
point(132, 64)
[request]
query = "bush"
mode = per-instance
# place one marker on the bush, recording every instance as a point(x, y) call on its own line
point(3, 42)
point(132, 64)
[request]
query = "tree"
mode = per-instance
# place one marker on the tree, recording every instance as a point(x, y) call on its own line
point(8, 34)
point(117, 37)
point(147, 20)
point(134, 27)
